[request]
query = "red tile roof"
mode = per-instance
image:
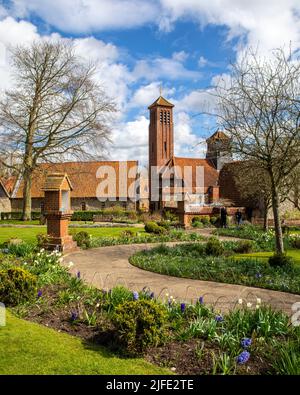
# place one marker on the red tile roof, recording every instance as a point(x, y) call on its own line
point(218, 135)
point(211, 174)
point(8, 184)
point(161, 101)
point(83, 177)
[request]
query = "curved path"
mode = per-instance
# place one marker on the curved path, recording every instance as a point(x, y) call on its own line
point(106, 267)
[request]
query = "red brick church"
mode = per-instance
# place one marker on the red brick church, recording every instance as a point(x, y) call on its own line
point(175, 173)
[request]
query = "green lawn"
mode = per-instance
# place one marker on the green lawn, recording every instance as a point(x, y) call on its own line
point(29, 234)
point(17, 222)
point(265, 255)
point(29, 348)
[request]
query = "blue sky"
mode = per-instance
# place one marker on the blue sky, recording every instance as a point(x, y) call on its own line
point(182, 45)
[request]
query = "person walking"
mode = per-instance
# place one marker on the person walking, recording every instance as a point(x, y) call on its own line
point(223, 217)
point(238, 217)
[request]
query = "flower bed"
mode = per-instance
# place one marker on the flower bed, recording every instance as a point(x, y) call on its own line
point(192, 261)
point(189, 338)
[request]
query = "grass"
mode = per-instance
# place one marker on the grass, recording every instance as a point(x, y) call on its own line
point(18, 222)
point(295, 254)
point(29, 348)
point(191, 261)
point(29, 234)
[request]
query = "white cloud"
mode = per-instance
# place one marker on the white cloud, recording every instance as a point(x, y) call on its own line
point(146, 94)
point(86, 16)
point(269, 23)
point(180, 56)
point(131, 140)
point(202, 62)
point(185, 141)
point(160, 67)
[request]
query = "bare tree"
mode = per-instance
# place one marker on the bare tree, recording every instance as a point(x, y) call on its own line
point(54, 110)
point(254, 185)
point(260, 108)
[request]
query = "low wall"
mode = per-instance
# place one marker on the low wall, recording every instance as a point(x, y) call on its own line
point(186, 218)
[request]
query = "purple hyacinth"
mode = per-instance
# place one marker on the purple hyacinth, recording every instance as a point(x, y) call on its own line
point(152, 295)
point(219, 318)
point(182, 307)
point(243, 357)
point(258, 275)
point(246, 342)
point(74, 316)
point(135, 295)
point(39, 294)
point(78, 275)
point(201, 300)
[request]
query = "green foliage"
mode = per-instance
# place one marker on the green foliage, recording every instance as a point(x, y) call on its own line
point(295, 241)
point(46, 266)
point(35, 215)
point(205, 219)
point(214, 247)
point(243, 247)
point(42, 239)
point(85, 215)
point(190, 261)
point(280, 260)
point(116, 211)
point(22, 249)
point(117, 296)
point(262, 321)
point(164, 224)
point(127, 233)
point(214, 220)
point(152, 227)
point(287, 358)
point(83, 239)
point(17, 286)
point(140, 324)
point(170, 216)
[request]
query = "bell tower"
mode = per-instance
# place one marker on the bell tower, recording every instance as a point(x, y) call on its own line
point(218, 149)
point(161, 133)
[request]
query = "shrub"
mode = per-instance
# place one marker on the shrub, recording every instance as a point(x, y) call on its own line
point(42, 239)
point(214, 247)
point(117, 296)
point(243, 247)
point(152, 227)
point(116, 211)
point(197, 224)
point(21, 250)
point(214, 220)
point(140, 324)
point(205, 219)
point(170, 216)
point(197, 218)
point(85, 215)
point(295, 242)
point(164, 224)
point(127, 233)
point(280, 260)
point(83, 239)
point(16, 286)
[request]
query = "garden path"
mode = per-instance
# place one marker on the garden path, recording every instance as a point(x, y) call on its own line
point(106, 267)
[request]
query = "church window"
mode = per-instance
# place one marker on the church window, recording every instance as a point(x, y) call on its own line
point(165, 117)
point(165, 147)
point(168, 117)
point(161, 117)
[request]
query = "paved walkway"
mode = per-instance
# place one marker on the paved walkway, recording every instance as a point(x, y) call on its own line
point(107, 267)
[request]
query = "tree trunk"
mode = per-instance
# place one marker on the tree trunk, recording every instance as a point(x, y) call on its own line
point(26, 214)
point(276, 214)
point(266, 219)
